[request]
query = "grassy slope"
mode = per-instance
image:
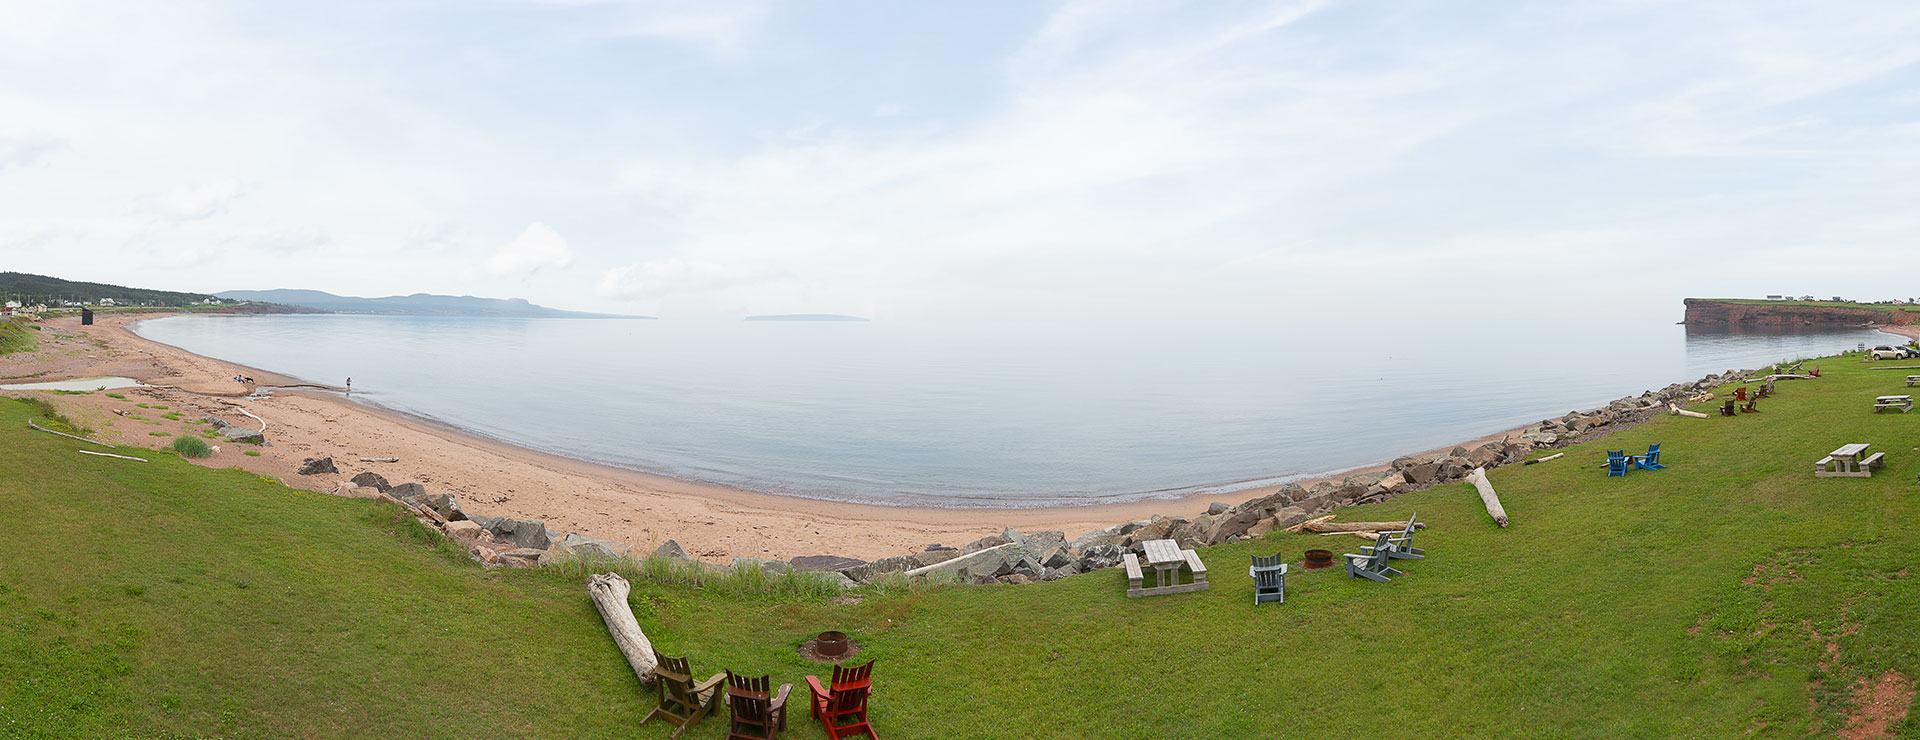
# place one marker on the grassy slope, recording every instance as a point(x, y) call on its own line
point(167, 599)
point(1885, 308)
point(16, 335)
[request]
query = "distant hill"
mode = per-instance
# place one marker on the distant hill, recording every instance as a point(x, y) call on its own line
point(806, 317)
point(418, 304)
point(31, 289)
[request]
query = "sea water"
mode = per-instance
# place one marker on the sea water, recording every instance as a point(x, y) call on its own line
point(981, 414)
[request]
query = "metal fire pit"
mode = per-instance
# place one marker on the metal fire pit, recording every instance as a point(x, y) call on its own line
point(830, 644)
point(1317, 559)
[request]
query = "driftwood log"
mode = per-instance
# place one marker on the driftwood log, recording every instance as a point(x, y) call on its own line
point(1310, 522)
point(379, 459)
point(31, 425)
point(103, 454)
point(1544, 459)
point(1360, 526)
point(609, 593)
point(1677, 411)
point(1479, 480)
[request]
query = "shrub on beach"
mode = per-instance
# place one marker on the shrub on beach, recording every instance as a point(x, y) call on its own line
point(194, 447)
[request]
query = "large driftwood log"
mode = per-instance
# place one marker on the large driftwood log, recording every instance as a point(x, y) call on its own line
point(1310, 522)
point(103, 454)
point(1360, 526)
point(31, 425)
point(1479, 480)
point(1544, 459)
point(1677, 411)
point(609, 592)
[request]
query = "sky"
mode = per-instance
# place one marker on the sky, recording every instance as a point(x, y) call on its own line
point(989, 159)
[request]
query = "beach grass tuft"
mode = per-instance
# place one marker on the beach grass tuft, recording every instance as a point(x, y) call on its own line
point(51, 418)
point(193, 447)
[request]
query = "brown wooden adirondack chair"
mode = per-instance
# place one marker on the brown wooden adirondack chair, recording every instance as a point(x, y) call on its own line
point(759, 713)
point(1727, 410)
point(842, 709)
point(682, 702)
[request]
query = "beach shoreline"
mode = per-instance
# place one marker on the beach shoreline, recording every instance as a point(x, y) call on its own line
point(496, 478)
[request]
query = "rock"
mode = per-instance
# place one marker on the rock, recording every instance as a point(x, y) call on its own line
point(1458, 452)
point(1097, 557)
point(522, 557)
point(1289, 516)
point(1486, 455)
point(983, 580)
point(1365, 479)
point(583, 546)
point(1217, 508)
point(929, 557)
point(865, 573)
point(1423, 473)
point(316, 466)
point(1016, 580)
point(214, 421)
point(1159, 529)
point(486, 555)
point(1055, 574)
point(407, 490)
point(1129, 527)
point(1106, 536)
point(776, 567)
point(825, 562)
point(1392, 482)
point(442, 503)
point(991, 561)
point(466, 533)
point(1058, 557)
point(523, 534)
point(242, 436)
point(837, 579)
point(372, 479)
point(353, 491)
point(1038, 541)
point(1261, 528)
point(985, 542)
point(671, 550)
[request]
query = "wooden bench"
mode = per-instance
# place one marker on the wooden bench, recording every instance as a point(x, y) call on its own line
point(1904, 403)
point(1133, 572)
point(1913, 380)
point(1193, 564)
point(1875, 460)
point(1819, 469)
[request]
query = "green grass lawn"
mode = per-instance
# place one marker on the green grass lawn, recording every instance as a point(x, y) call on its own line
point(1733, 595)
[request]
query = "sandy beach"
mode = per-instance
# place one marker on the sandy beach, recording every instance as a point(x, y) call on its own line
point(712, 522)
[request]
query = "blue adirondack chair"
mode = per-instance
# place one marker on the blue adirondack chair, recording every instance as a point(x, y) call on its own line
point(1269, 579)
point(1652, 460)
point(1616, 463)
point(1373, 565)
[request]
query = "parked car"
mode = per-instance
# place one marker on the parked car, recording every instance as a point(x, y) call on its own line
point(1886, 352)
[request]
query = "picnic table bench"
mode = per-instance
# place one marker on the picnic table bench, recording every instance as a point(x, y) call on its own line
point(1913, 380)
point(1166, 558)
point(1847, 462)
point(1904, 403)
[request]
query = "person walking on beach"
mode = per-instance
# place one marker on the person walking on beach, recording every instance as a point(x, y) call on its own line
point(349, 386)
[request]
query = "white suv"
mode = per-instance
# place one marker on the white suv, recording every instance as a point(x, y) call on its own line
point(1884, 352)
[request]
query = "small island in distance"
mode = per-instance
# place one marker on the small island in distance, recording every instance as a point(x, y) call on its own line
point(807, 317)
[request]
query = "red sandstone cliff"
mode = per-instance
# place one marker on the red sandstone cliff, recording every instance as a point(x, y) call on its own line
point(1703, 311)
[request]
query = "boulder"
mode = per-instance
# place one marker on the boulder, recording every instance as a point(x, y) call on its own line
point(1106, 536)
point(407, 490)
point(1487, 455)
point(443, 504)
point(242, 436)
point(1097, 557)
point(353, 491)
point(776, 567)
point(929, 557)
point(372, 479)
point(522, 557)
point(1129, 527)
point(1423, 473)
point(1392, 482)
point(1016, 579)
point(671, 550)
point(825, 562)
point(468, 533)
point(1038, 541)
point(485, 554)
point(522, 534)
point(1058, 557)
point(214, 421)
point(1055, 574)
point(992, 561)
point(1159, 529)
point(992, 540)
point(583, 546)
point(1217, 508)
point(866, 572)
point(837, 579)
point(317, 465)
point(1365, 479)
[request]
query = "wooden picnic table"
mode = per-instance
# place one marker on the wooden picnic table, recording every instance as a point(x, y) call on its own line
point(1913, 380)
point(1848, 462)
point(1904, 403)
point(1166, 558)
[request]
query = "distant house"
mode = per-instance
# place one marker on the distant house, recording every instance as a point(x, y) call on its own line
point(12, 305)
point(1838, 299)
point(1776, 298)
point(106, 301)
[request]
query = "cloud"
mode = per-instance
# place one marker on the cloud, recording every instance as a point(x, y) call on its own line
point(201, 202)
point(22, 149)
point(288, 242)
point(536, 248)
point(717, 25)
point(662, 277)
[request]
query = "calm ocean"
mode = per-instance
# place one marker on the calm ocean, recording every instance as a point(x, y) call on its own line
point(972, 415)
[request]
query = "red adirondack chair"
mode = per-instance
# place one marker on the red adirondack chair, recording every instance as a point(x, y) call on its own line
point(1740, 394)
point(1815, 372)
point(842, 709)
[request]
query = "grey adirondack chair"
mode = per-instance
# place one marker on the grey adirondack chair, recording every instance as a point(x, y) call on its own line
point(1373, 565)
point(1269, 579)
point(1398, 547)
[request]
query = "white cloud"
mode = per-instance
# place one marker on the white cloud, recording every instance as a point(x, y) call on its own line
point(536, 248)
point(200, 202)
point(22, 149)
point(719, 25)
